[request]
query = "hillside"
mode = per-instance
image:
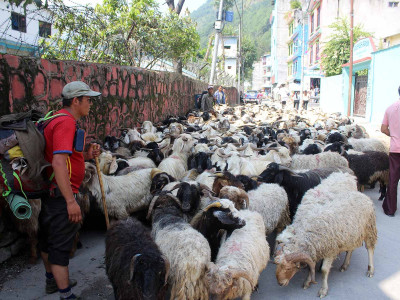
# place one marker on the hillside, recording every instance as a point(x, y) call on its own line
point(255, 22)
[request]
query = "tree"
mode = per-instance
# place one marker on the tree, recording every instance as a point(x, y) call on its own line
point(249, 54)
point(120, 32)
point(337, 50)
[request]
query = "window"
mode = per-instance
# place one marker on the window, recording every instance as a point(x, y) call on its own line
point(312, 23)
point(317, 51)
point(394, 4)
point(227, 47)
point(44, 29)
point(269, 78)
point(290, 49)
point(318, 16)
point(291, 28)
point(229, 67)
point(290, 69)
point(311, 54)
point(265, 72)
point(18, 22)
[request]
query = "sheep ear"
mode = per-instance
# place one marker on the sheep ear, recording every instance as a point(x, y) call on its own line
point(113, 166)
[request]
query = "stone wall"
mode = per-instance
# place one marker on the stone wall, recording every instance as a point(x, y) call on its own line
point(129, 95)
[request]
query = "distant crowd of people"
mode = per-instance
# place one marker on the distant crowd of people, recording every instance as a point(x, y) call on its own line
point(283, 94)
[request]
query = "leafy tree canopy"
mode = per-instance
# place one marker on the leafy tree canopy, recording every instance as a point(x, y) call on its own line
point(121, 32)
point(337, 50)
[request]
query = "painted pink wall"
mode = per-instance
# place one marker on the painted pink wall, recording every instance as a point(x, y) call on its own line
point(129, 95)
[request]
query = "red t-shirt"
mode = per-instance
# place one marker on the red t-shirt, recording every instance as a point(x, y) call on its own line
point(59, 135)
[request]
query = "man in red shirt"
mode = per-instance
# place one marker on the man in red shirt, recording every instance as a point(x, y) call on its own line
point(61, 215)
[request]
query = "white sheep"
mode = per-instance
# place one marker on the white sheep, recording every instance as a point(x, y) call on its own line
point(269, 200)
point(176, 164)
point(320, 160)
point(366, 144)
point(240, 261)
point(124, 194)
point(186, 249)
point(332, 218)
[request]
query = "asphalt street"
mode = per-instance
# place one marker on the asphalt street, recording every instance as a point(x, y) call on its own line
point(88, 268)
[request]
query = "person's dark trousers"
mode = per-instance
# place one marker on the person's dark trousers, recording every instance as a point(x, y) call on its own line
point(390, 203)
point(305, 105)
point(296, 104)
point(283, 104)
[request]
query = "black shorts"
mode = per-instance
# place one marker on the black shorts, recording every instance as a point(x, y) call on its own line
point(56, 232)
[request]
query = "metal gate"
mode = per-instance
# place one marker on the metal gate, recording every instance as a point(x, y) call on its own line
point(360, 95)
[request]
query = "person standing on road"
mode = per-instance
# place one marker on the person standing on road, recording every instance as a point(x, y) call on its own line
point(306, 98)
point(391, 127)
point(207, 101)
point(296, 100)
point(61, 215)
point(219, 96)
point(284, 95)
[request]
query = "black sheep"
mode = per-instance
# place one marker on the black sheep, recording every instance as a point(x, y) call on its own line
point(134, 264)
point(200, 161)
point(370, 167)
point(336, 137)
point(155, 153)
point(312, 149)
point(214, 219)
point(249, 184)
point(295, 184)
point(189, 195)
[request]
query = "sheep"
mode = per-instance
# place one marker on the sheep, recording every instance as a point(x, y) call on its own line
point(367, 144)
point(134, 264)
point(248, 183)
point(269, 200)
point(186, 249)
point(224, 179)
point(321, 160)
point(331, 219)
point(200, 161)
point(295, 183)
point(176, 164)
point(220, 215)
point(241, 259)
point(370, 167)
point(207, 178)
point(159, 180)
point(124, 194)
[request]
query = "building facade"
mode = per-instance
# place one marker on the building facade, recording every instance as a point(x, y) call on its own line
point(297, 45)
point(227, 52)
point(262, 72)
point(379, 17)
point(279, 46)
point(21, 31)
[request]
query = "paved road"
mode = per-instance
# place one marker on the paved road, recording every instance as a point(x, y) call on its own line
point(88, 268)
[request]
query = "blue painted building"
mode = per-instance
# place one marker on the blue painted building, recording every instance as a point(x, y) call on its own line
point(297, 43)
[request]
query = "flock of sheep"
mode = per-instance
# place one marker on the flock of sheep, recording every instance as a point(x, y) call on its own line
point(194, 197)
point(209, 187)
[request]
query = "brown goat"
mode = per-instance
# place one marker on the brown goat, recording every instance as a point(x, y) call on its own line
point(225, 179)
point(238, 196)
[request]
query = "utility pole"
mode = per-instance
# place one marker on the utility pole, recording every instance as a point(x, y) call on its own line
point(218, 30)
point(241, 52)
point(238, 62)
point(351, 56)
point(303, 21)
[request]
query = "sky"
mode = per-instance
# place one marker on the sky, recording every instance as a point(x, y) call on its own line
point(191, 4)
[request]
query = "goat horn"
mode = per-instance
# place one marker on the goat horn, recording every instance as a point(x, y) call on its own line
point(204, 187)
point(211, 196)
point(302, 257)
point(151, 206)
point(214, 204)
point(283, 168)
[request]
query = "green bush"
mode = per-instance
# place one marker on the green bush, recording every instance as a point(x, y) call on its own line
point(295, 4)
